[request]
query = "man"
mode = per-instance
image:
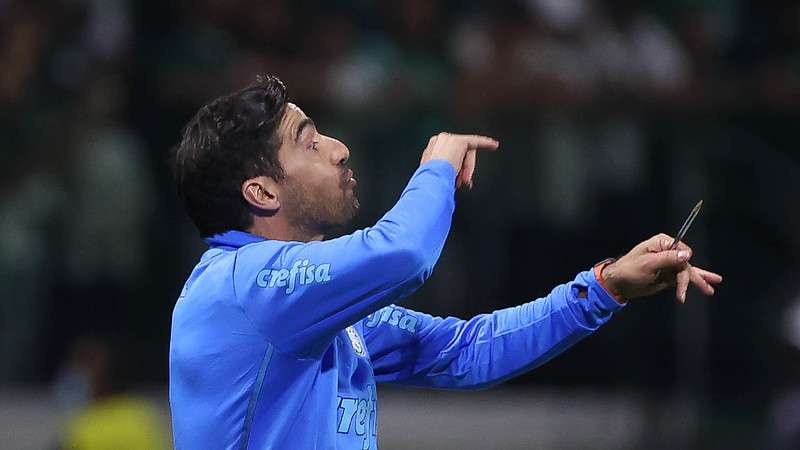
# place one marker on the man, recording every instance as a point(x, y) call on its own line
point(279, 337)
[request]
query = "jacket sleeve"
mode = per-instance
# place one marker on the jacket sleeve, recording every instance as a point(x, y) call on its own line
point(298, 295)
point(417, 349)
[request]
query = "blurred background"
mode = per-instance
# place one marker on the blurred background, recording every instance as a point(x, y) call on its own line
point(615, 117)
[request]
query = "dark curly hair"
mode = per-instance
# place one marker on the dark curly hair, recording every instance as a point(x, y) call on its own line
point(230, 140)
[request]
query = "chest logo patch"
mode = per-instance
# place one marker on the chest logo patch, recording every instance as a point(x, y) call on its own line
point(355, 340)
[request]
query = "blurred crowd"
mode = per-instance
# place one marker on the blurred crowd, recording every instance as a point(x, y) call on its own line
point(615, 117)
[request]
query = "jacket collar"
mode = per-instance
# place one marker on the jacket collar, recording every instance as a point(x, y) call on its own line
point(232, 239)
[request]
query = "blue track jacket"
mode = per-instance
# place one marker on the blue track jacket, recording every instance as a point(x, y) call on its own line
point(279, 345)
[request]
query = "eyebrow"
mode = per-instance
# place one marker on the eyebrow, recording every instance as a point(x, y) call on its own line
point(302, 125)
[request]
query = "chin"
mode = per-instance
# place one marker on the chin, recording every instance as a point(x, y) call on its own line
point(351, 204)
point(339, 224)
point(348, 214)
point(344, 214)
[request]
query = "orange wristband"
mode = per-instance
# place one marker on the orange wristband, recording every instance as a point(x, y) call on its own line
point(598, 275)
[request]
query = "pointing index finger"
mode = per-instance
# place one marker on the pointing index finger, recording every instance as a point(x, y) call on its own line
point(482, 142)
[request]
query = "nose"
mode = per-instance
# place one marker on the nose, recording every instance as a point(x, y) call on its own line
point(339, 152)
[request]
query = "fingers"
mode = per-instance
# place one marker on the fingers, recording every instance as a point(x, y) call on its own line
point(475, 141)
point(667, 260)
point(656, 243)
point(426, 154)
point(682, 283)
point(662, 242)
point(470, 141)
point(681, 245)
point(459, 150)
point(657, 266)
point(709, 277)
point(468, 169)
point(701, 283)
point(703, 280)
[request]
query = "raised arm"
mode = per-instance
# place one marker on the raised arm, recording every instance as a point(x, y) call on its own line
point(300, 294)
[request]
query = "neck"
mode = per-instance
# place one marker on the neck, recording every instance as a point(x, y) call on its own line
point(280, 230)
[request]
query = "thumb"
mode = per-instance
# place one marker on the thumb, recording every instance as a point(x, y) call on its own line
point(669, 259)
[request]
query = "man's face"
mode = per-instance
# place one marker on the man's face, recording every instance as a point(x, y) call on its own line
point(318, 193)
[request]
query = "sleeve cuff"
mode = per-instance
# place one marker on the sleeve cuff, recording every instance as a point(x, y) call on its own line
point(440, 167)
point(598, 295)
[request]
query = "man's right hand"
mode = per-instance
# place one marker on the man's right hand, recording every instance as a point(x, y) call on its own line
point(460, 151)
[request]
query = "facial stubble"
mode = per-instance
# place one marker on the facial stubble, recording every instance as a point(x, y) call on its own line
point(316, 211)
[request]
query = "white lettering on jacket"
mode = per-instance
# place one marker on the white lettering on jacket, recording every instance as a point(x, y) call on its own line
point(301, 273)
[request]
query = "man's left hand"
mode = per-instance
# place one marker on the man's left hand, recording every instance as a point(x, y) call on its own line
point(651, 267)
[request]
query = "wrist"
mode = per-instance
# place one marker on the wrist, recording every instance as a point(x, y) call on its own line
point(605, 276)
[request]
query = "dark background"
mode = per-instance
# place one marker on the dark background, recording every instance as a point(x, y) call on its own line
point(614, 117)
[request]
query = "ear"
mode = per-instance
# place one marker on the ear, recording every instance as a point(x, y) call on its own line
point(261, 193)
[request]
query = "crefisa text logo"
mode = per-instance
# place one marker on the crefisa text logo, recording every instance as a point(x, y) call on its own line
point(300, 273)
